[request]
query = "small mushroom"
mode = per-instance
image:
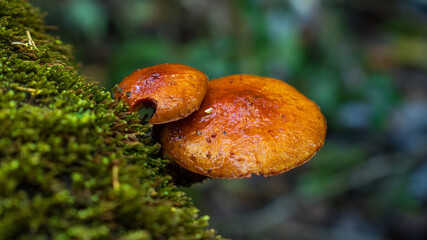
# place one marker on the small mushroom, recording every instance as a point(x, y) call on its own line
point(173, 90)
point(268, 128)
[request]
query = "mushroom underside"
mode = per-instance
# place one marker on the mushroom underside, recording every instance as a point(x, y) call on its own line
point(146, 108)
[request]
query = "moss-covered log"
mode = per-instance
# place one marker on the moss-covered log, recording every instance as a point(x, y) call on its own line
point(73, 163)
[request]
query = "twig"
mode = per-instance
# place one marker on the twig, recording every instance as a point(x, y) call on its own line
point(30, 90)
point(30, 42)
point(115, 172)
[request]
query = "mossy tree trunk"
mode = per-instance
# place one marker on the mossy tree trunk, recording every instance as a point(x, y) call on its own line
point(73, 163)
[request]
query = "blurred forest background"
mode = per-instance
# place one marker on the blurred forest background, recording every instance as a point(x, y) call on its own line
point(364, 62)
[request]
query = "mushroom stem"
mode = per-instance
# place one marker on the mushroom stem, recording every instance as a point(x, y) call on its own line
point(181, 176)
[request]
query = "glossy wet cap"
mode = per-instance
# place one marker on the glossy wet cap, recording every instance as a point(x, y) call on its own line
point(246, 125)
point(175, 90)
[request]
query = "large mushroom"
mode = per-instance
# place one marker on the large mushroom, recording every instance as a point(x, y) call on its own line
point(174, 91)
point(246, 125)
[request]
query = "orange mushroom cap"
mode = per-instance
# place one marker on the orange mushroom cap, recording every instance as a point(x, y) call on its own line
point(247, 125)
point(176, 90)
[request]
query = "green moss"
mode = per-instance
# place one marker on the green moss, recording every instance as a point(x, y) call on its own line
point(73, 163)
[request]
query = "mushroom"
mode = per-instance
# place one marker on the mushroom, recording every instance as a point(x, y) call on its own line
point(246, 125)
point(174, 91)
